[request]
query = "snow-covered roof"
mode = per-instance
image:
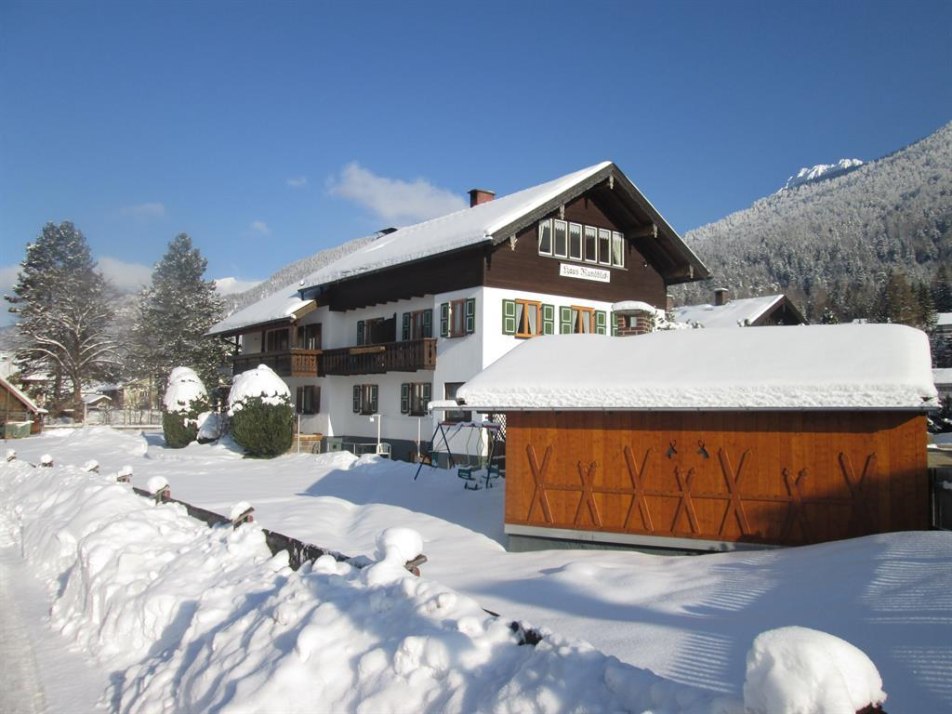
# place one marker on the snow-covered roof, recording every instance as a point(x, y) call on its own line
point(768, 368)
point(490, 222)
point(734, 313)
point(21, 397)
point(944, 319)
point(461, 229)
point(285, 304)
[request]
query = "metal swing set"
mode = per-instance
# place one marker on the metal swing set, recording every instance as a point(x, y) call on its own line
point(473, 466)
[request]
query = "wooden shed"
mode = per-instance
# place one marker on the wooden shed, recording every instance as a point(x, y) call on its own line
point(713, 439)
point(19, 415)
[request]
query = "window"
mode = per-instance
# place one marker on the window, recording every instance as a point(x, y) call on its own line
point(575, 241)
point(545, 237)
point(414, 396)
point(308, 400)
point(618, 249)
point(365, 399)
point(577, 319)
point(276, 341)
point(309, 337)
point(604, 246)
point(458, 318)
point(560, 239)
point(377, 330)
point(449, 392)
point(590, 244)
point(527, 318)
point(417, 325)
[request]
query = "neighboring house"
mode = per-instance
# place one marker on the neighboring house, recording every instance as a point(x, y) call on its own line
point(411, 316)
point(943, 381)
point(714, 439)
point(17, 411)
point(745, 312)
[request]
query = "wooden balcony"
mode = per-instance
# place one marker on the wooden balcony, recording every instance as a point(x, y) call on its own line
point(406, 356)
point(295, 362)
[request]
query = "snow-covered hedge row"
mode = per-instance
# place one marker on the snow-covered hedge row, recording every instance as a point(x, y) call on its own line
point(206, 619)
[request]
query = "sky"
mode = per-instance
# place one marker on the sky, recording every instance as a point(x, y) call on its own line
point(269, 131)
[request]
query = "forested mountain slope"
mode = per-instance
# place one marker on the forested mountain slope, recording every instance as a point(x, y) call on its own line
point(833, 243)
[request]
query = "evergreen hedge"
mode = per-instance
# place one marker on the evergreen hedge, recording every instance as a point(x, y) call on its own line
point(263, 429)
point(179, 428)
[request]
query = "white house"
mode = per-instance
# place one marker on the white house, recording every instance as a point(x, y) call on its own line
point(410, 316)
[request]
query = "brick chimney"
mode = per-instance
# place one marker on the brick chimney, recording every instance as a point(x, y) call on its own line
point(720, 296)
point(480, 195)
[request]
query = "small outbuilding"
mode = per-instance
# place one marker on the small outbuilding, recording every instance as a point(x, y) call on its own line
point(713, 439)
point(19, 415)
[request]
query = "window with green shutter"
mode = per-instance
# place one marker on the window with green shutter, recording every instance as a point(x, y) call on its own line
point(601, 322)
point(508, 317)
point(565, 320)
point(548, 319)
point(405, 327)
point(361, 332)
point(414, 398)
point(365, 398)
point(444, 319)
point(469, 312)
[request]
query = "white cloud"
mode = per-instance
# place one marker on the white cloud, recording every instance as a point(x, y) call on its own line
point(394, 200)
point(297, 181)
point(260, 228)
point(126, 277)
point(144, 211)
point(230, 286)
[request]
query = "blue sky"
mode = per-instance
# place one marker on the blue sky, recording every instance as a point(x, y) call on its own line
point(270, 130)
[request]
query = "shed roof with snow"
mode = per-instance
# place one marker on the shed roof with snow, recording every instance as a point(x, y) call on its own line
point(882, 367)
point(736, 313)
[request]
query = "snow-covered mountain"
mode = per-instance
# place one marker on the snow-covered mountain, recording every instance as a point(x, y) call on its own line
point(821, 172)
point(831, 240)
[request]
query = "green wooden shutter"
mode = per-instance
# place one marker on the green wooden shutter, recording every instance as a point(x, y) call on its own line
point(427, 393)
point(356, 399)
point(614, 325)
point(428, 323)
point(444, 319)
point(470, 316)
point(360, 332)
point(600, 321)
point(565, 320)
point(373, 398)
point(406, 326)
point(548, 319)
point(508, 317)
point(405, 398)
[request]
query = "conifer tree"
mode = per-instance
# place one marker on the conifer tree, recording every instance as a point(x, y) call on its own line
point(174, 313)
point(65, 313)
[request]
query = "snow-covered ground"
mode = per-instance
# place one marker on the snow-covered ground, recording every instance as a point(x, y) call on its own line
point(179, 617)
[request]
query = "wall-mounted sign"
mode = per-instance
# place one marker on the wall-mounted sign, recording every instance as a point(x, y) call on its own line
point(583, 272)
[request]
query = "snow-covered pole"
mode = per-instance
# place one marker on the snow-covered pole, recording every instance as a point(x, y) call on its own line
point(242, 512)
point(124, 475)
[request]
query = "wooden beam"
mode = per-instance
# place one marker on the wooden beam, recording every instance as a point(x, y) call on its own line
point(647, 231)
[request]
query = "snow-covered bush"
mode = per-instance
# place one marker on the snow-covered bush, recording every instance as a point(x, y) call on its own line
point(259, 405)
point(185, 398)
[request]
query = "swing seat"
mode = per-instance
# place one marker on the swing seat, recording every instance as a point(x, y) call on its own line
point(466, 473)
point(492, 473)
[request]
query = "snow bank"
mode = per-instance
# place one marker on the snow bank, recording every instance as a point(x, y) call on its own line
point(796, 670)
point(184, 389)
point(205, 619)
point(810, 367)
point(258, 382)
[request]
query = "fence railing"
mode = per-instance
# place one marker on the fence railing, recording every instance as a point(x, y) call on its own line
point(124, 417)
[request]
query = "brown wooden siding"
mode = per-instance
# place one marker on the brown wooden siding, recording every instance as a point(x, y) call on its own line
point(772, 478)
point(449, 271)
point(524, 269)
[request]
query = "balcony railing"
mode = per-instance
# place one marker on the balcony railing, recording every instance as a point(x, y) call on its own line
point(405, 356)
point(294, 362)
